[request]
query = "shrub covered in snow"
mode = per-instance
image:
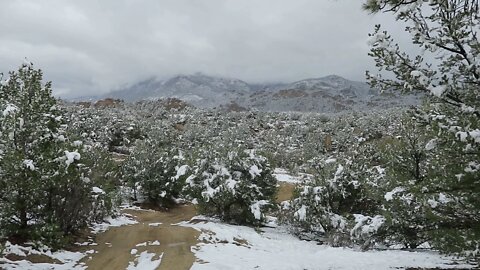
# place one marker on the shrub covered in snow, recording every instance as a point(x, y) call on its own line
point(46, 187)
point(339, 204)
point(156, 170)
point(236, 187)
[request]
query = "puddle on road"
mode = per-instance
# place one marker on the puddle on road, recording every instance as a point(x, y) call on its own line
point(114, 247)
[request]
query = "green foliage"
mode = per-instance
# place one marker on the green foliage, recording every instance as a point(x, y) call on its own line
point(236, 186)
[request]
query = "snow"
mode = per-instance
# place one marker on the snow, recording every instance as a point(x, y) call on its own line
point(422, 79)
point(181, 171)
point(77, 143)
point(339, 171)
point(338, 221)
point(149, 243)
point(71, 157)
point(61, 138)
point(69, 260)
point(467, 109)
point(442, 198)
point(330, 160)
point(112, 222)
point(98, 190)
point(145, 261)
point(472, 167)
point(256, 208)
point(462, 136)
point(433, 203)
point(475, 134)
point(283, 176)
point(28, 163)
point(255, 171)
point(275, 249)
point(231, 184)
point(14, 249)
point(368, 225)
point(379, 40)
point(301, 213)
point(431, 145)
point(389, 195)
point(10, 109)
point(156, 224)
point(438, 90)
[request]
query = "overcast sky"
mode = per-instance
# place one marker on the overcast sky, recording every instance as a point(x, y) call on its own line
point(88, 47)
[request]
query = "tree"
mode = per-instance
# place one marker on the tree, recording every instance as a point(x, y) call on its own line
point(447, 70)
point(45, 189)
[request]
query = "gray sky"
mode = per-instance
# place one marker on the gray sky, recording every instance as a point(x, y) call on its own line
point(88, 47)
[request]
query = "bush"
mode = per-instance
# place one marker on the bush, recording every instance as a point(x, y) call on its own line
point(156, 171)
point(338, 206)
point(236, 188)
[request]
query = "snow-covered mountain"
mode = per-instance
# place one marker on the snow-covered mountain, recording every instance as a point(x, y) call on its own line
point(198, 89)
point(327, 94)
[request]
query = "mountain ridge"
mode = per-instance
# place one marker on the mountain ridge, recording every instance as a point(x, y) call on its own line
point(331, 93)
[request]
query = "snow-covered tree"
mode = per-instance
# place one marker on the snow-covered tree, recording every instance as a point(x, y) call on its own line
point(45, 187)
point(447, 69)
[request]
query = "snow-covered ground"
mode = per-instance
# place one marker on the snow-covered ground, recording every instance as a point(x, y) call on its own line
point(237, 247)
point(145, 261)
point(113, 222)
point(284, 176)
point(65, 260)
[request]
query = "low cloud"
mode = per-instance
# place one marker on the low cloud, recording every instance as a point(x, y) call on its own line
point(90, 47)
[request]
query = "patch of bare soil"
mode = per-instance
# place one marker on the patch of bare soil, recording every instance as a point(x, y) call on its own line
point(285, 192)
point(115, 245)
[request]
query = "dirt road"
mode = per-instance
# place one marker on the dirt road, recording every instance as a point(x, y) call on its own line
point(115, 245)
point(114, 249)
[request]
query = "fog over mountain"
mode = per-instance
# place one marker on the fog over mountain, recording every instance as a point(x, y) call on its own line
point(326, 94)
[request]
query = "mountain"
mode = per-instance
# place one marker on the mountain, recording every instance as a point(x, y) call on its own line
point(198, 89)
point(327, 94)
